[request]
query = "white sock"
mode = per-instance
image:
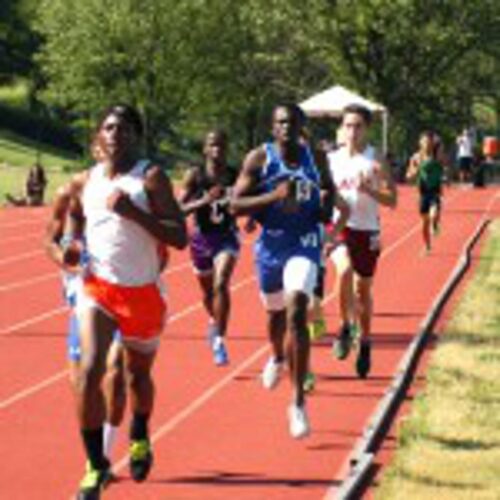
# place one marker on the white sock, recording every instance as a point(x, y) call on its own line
point(218, 340)
point(109, 438)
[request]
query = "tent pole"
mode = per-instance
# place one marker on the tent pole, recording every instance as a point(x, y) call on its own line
point(385, 131)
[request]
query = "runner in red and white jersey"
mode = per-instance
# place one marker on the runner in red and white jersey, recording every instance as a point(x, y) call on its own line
point(364, 182)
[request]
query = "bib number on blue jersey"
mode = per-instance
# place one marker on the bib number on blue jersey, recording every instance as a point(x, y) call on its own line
point(303, 190)
point(310, 240)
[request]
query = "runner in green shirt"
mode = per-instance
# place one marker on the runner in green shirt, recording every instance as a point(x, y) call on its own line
point(428, 172)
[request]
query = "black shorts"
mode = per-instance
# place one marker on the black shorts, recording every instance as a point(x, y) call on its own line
point(428, 199)
point(465, 164)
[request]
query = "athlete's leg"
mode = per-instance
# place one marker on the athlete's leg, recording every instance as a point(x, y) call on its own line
point(298, 343)
point(206, 280)
point(435, 215)
point(426, 231)
point(345, 292)
point(344, 282)
point(96, 329)
point(223, 268)
point(224, 265)
point(425, 207)
point(115, 394)
point(276, 330)
point(299, 279)
point(138, 366)
point(364, 303)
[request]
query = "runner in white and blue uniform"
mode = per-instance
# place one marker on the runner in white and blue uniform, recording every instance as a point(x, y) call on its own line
point(280, 184)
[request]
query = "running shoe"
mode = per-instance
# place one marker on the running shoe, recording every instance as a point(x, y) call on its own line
point(363, 362)
point(309, 382)
point(298, 421)
point(94, 481)
point(342, 346)
point(141, 459)
point(219, 352)
point(271, 374)
point(317, 329)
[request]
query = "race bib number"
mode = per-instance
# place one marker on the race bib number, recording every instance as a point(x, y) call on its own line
point(303, 190)
point(218, 211)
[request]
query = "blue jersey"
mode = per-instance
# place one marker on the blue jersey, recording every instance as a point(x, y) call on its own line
point(306, 179)
point(287, 234)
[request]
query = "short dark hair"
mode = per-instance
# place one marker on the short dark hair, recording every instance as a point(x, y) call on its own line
point(128, 113)
point(219, 133)
point(358, 109)
point(294, 109)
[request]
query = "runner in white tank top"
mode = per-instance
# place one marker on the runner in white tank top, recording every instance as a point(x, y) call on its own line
point(108, 234)
point(129, 211)
point(364, 181)
point(347, 172)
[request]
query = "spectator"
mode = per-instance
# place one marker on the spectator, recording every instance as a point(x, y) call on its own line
point(34, 189)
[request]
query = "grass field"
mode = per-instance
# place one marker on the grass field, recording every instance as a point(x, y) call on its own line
point(20, 152)
point(17, 154)
point(449, 447)
point(12, 181)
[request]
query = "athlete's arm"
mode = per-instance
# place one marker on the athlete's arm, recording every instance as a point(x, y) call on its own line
point(327, 187)
point(242, 200)
point(412, 171)
point(188, 191)
point(386, 194)
point(166, 221)
point(66, 210)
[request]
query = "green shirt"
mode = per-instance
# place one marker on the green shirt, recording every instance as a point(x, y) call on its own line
point(430, 174)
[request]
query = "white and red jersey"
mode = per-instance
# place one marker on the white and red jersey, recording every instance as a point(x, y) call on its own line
point(347, 171)
point(120, 250)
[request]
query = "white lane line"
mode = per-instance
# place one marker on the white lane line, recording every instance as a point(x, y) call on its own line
point(33, 389)
point(22, 256)
point(22, 223)
point(24, 237)
point(32, 281)
point(35, 319)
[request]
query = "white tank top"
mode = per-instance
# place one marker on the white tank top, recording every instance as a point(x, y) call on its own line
point(346, 172)
point(120, 251)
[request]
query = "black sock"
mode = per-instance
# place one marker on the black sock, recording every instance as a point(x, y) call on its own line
point(139, 427)
point(93, 441)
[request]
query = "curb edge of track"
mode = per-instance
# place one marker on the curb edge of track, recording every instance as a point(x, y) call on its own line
point(362, 456)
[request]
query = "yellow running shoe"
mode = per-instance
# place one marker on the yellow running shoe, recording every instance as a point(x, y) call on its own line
point(93, 482)
point(317, 329)
point(309, 382)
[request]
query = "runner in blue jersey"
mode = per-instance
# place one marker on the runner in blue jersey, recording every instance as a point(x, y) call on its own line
point(281, 186)
point(214, 241)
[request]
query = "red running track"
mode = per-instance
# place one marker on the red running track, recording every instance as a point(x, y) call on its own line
point(217, 434)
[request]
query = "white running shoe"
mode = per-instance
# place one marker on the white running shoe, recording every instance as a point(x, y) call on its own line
point(298, 421)
point(271, 374)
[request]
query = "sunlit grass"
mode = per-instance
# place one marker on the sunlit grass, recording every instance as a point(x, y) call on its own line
point(449, 447)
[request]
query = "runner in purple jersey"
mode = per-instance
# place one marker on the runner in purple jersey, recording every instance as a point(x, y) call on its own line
point(214, 241)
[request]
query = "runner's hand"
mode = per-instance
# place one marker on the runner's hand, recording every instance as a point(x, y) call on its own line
point(120, 203)
point(71, 256)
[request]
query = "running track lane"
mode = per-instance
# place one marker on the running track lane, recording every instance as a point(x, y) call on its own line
point(218, 433)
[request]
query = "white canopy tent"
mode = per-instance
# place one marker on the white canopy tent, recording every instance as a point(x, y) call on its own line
point(331, 102)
